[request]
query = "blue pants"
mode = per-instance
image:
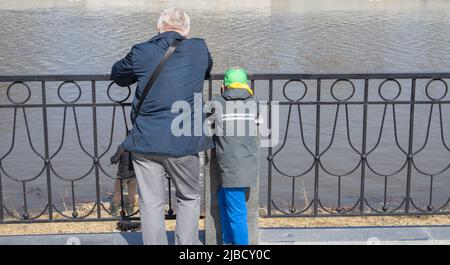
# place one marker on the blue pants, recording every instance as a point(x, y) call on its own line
point(233, 215)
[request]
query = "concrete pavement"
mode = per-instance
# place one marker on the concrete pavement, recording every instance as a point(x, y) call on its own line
point(405, 235)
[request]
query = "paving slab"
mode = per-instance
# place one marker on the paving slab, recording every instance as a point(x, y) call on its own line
point(131, 238)
point(403, 235)
point(114, 238)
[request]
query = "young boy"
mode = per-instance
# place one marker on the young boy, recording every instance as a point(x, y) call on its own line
point(234, 113)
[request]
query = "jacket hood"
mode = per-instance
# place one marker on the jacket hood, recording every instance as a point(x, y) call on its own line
point(236, 94)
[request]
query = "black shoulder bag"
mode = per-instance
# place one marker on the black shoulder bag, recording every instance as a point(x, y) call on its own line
point(149, 85)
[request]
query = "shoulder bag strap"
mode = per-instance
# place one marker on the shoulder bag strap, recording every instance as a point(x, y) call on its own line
point(155, 75)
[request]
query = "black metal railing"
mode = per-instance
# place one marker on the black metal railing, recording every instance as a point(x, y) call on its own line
point(348, 114)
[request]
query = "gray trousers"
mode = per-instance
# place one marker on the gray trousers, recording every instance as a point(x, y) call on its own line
point(151, 171)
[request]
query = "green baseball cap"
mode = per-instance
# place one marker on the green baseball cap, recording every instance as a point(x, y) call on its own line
point(235, 75)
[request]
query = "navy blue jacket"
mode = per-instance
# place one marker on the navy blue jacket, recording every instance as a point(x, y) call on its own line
point(182, 76)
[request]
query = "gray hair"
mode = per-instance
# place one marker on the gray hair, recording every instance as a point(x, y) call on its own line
point(174, 19)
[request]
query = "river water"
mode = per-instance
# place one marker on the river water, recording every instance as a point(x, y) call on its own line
point(279, 36)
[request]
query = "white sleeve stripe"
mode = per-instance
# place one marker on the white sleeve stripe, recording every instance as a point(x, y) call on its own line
point(238, 118)
point(238, 115)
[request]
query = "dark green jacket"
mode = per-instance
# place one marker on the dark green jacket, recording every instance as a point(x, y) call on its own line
point(235, 137)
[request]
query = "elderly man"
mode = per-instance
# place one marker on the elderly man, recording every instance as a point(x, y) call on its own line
point(156, 151)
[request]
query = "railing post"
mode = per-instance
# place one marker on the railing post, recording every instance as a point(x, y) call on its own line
point(317, 151)
point(269, 155)
point(94, 128)
point(213, 232)
point(47, 155)
point(364, 147)
point(410, 145)
point(253, 199)
point(2, 217)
